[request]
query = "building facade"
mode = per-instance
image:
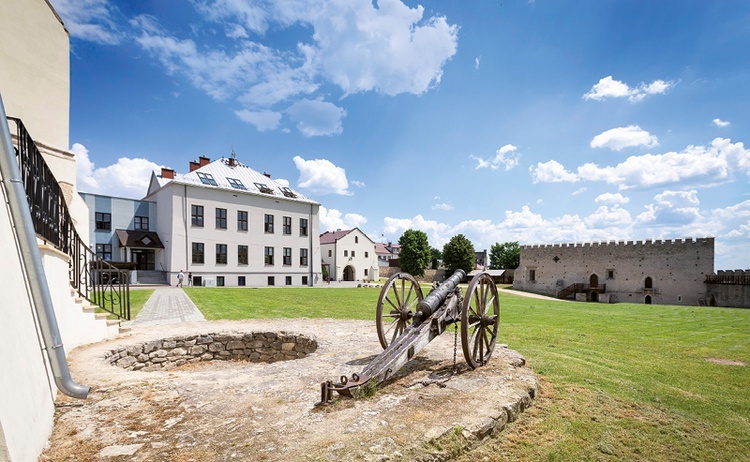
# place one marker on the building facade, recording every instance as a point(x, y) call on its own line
point(228, 225)
point(349, 255)
point(664, 272)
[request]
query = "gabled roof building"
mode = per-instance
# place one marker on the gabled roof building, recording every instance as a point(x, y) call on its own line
point(229, 225)
point(349, 255)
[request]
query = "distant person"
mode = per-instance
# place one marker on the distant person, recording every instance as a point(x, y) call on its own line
point(190, 279)
point(180, 277)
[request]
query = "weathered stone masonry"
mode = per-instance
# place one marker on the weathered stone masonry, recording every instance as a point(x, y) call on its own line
point(664, 272)
point(176, 351)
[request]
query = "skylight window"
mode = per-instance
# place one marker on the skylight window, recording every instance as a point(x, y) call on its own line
point(288, 192)
point(237, 184)
point(207, 178)
point(263, 188)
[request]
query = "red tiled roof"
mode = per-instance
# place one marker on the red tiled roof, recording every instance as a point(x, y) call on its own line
point(381, 248)
point(330, 237)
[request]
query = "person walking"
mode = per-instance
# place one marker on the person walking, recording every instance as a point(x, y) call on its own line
point(180, 277)
point(190, 279)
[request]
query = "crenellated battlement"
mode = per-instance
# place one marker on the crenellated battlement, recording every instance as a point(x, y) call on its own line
point(647, 242)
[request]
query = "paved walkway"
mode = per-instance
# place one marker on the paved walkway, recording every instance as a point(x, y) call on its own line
point(168, 305)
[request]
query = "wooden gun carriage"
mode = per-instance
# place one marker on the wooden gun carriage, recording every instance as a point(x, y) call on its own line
point(407, 321)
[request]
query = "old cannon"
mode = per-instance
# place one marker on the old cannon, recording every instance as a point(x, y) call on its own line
point(406, 322)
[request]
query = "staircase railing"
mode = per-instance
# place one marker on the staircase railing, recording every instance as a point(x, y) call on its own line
point(93, 278)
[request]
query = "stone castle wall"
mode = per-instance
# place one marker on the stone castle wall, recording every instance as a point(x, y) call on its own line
point(677, 269)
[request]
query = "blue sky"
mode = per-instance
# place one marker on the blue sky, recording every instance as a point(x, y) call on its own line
point(531, 121)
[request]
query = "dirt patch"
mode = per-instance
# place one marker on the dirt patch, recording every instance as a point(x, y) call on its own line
point(726, 362)
point(247, 411)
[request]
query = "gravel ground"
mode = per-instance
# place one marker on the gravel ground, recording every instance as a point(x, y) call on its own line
point(231, 410)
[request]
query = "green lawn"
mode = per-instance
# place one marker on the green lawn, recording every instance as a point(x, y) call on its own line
point(619, 382)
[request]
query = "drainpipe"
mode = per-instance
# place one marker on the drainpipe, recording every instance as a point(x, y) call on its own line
point(310, 258)
point(32, 261)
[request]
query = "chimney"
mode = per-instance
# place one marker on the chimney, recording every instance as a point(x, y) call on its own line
point(167, 173)
point(194, 165)
point(267, 175)
point(204, 160)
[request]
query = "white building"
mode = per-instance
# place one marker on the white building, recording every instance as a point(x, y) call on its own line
point(349, 255)
point(228, 225)
point(384, 255)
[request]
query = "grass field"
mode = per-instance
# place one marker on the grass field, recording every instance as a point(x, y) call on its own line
point(619, 382)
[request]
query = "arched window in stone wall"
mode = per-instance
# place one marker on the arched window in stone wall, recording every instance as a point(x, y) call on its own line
point(648, 300)
point(594, 281)
point(648, 283)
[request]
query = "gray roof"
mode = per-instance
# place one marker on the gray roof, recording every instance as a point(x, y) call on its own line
point(231, 175)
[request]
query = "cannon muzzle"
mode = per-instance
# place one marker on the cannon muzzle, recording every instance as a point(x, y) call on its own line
point(437, 296)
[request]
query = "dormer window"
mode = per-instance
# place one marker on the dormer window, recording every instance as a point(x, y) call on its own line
point(236, 184)
point(288, 192)
point(207, 178)
point(263, 188)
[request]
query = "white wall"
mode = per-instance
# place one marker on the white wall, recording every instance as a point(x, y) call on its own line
point(27, 404)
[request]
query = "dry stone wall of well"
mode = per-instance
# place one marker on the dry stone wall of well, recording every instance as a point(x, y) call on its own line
point(176, 351)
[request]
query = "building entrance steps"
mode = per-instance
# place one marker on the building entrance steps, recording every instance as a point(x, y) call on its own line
point(168, 305)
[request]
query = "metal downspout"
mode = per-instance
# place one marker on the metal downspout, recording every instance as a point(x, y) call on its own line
point(32, 261)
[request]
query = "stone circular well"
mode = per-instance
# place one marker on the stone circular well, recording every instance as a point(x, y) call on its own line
point(176, 351)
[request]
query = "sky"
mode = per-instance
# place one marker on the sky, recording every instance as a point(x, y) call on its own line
point(533, 121)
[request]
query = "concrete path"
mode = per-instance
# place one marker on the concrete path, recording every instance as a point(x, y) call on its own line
point(168, 305)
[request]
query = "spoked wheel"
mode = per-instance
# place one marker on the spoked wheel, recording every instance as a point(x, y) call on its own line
point(480, 320)
point(396, 306)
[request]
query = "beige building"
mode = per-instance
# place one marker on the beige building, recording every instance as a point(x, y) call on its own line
point(229, 225)
point(349, 255)
point(665, 272)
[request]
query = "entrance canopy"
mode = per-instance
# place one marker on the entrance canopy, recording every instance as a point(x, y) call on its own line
point(143, 239)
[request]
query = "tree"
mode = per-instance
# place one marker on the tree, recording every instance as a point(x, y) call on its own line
point(436, 257)
point(459, 253)
point(414, 255)
point(505, 256)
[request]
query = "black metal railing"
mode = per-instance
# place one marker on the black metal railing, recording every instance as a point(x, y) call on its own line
point(93, 278)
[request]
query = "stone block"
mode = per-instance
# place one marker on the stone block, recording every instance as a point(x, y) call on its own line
point(216, 346)
point(198, 350)
point(235, 345)
point(157, 354)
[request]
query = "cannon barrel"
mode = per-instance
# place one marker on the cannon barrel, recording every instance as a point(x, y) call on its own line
point(437, 296)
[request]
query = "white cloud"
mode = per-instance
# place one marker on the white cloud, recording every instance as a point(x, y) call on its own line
point(236, 31)
point(720, 123)
point(620, 138)
point(609, 198)
point(91, 20)
point(477, 61)
point(551, 172)
point(127, 178)
point(447, 206)
point(262, 120)
point(696, 165)
point(321, 176)
point(332, 220)
point(608, 87)
point(317, 117)
point(605, 217)
point(505, 158)
point(578, 191)
point(672, 208)
point(359, 184)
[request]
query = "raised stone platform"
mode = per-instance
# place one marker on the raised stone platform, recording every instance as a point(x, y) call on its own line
point(224, 410)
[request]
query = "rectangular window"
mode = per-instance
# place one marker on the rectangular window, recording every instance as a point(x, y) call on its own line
point(367, 254)
point(219, 281)
point(197, 214)
point(141, 223)
point(207, 178)
point(221, 253)
point(287, 255)
point(303, 226)
point(303, 257)
point(236, 184)
point(365, 272)
point(304, 280)
point(104, 251)
point(221, 218)
point(271, 281)
point(103, 221)
point(288, 280)
point(198, 252)
point(268, 256)
point(288, 192)
point(241, 220)
point(263, 188)
point(330, 253)
point(532, 275)
point(287, 222)
point(352, 254)
point(197, 281)
point(241, 281)
point(268, 223)
point(242, 255)
point(610, 274)
point(346, 253)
